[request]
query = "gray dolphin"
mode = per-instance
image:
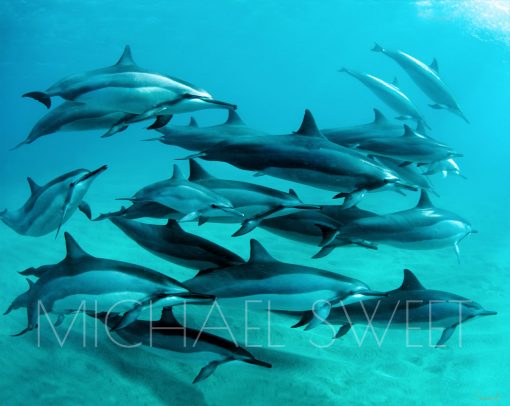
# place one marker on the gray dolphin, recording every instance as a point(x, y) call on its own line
point(51, 205)
point(73, 116)
point(172, 243)
point(410, 147)
point(305, 157)
point(131, 89)
point(379, 127)
point(411, 305)
point(255, 201)
point(195, 138)
point(389, 94)
point(279, 285)
point(427, 78)
point(189, 198)
point(423, 227)
point(99, 284)
point(170, 339)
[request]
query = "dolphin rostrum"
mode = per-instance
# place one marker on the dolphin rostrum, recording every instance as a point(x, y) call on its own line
point(306, 156)
point(426, 78)
point(83, 282)
point(169, 338)
point(188, 198)
point(279, 285)
point(409, 306)
point(51, 205)
point(128, 88)
point(389, 94)
point(172, 243)
point(423, 227)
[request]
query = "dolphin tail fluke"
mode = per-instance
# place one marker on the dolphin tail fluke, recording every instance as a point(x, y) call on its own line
point(24, 331)
point(377, 48)
point(343, 69)
point(40, 97)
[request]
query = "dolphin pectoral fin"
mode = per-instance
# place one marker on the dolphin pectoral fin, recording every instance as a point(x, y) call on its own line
point(447, 333)
point(202, 220)
point(457, 251)
point(320, 314)
point(328, 234)
point(324, 251)
point(404, 164)
point(250, 224)
point(209, 369)
point(114, 129)
point(160, 121)
point(40, 97)
point(84, 207)
point(343, 330)
point(60, 319)
point(24, 331)
point(129, 317)
point(305, 319)
point(351, 199)
point(437, 106)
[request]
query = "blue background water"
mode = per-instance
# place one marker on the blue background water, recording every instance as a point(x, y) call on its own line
point(273, 59)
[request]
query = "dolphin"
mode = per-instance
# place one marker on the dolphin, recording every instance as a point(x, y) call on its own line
point(170, 339)
point(411, 305)
point(444, 167)
point(389, 94)
point(131, 89)
point(172, 243)
point(73, 116)
point(305, 157)
point(51, 205)
point(379, 127)
point(255, 201)
point(188, 198)
point(195, 138)
point(99, 284)
point(278, 285)
point(423, 227)
point(426, 78)
point(411, 147)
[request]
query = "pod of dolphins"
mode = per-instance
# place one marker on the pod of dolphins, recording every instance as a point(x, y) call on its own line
point(349, 161)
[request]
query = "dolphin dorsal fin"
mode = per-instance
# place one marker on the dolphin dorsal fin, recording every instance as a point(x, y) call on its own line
point(434, 66)
point(34, 187)
point(379, 117)
point(410, 282)
point(192, 122)
point(126, 59)
point(309, 126)
point(293, 193)
point(197, 172)
point(177, 174)
point(258, 253)
point(424, 201)
point(168, 318)
point(173, 224)
point(233, 118)
point(74, 251)
point(408, 131)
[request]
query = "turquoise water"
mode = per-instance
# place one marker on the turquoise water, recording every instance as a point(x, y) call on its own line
point(273, 59)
